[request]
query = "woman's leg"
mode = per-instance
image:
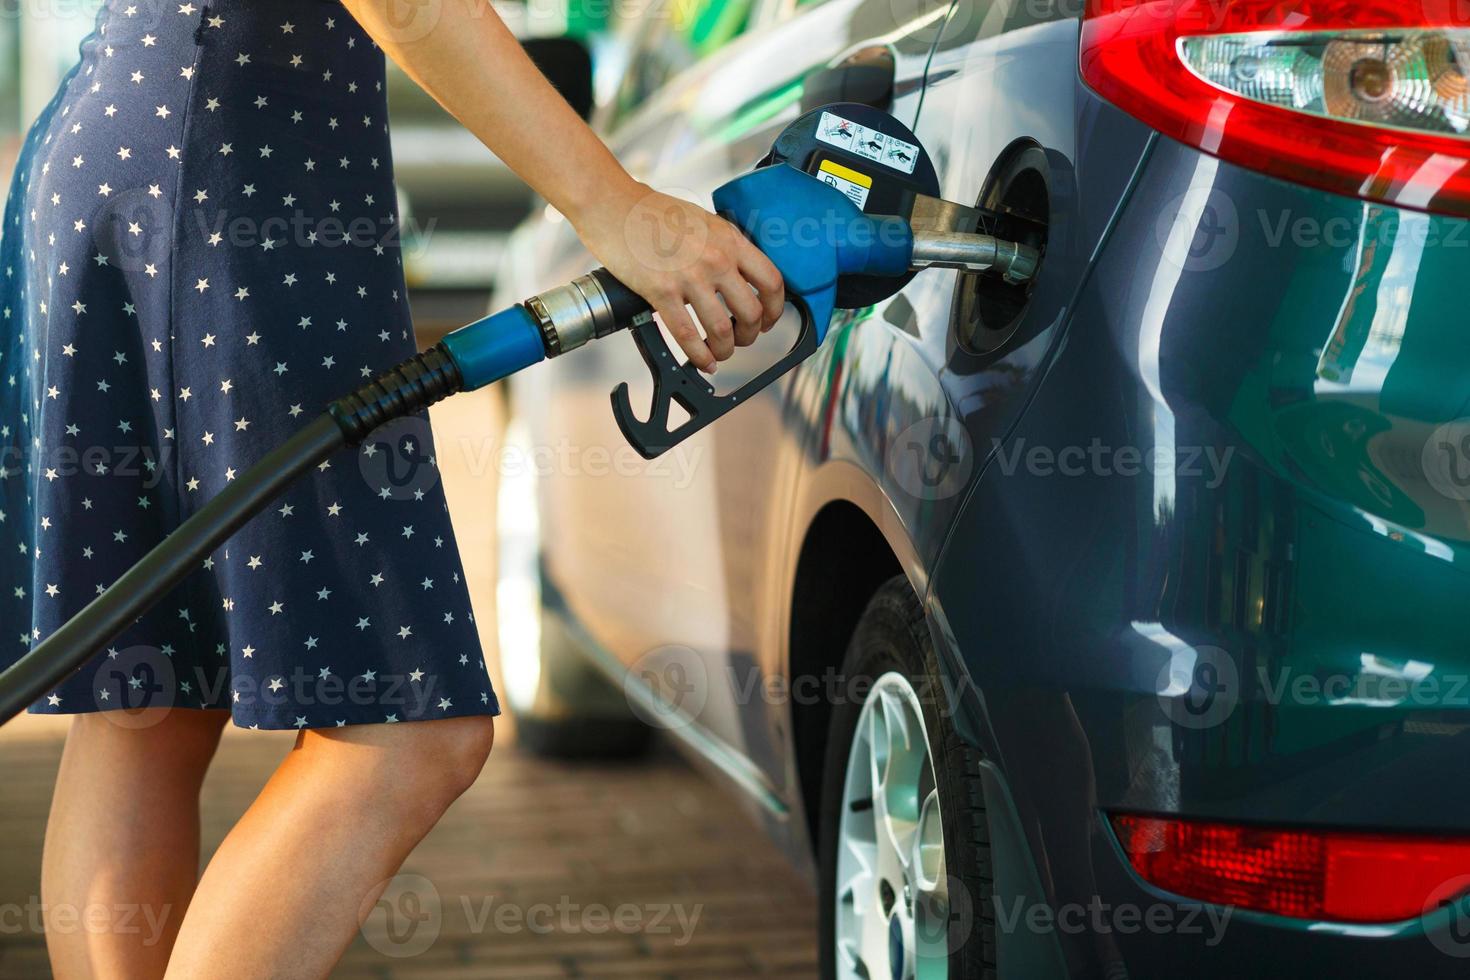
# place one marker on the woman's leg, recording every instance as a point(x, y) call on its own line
point(281, 896)
point(122, 844)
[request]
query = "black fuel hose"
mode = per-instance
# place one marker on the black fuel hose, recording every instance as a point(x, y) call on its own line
point(408, 387)
point(592, 306)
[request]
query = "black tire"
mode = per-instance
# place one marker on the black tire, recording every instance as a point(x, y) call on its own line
point(892, 636)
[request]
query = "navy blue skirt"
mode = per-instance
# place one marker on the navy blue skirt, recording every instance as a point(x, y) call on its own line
point(201, 250)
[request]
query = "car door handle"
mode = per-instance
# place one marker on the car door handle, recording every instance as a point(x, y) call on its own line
point(865, 76)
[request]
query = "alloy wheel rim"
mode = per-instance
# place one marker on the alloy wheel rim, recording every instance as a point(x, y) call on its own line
point(892, 891)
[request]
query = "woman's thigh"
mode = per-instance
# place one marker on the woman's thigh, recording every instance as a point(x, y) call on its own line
point(159, 747)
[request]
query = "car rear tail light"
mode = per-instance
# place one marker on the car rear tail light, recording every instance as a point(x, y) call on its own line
point(1366, 99)
point(1304, 874)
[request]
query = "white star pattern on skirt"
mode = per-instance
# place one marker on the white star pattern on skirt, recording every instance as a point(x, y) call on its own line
point(200, 249)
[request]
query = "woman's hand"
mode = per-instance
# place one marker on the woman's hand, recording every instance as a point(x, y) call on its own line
point(674, 253)
point(666, 250)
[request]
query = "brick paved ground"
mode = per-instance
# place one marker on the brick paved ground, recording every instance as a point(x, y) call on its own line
point(530, 868)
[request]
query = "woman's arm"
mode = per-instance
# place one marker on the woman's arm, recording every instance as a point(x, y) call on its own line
point(668, 251)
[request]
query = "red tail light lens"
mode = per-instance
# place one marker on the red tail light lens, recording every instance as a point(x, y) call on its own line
point(1305, 874)
point(1366, 99)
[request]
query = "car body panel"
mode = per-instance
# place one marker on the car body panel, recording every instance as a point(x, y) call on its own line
point(713, 594)
point(1266, 635)
point(1323, 383)
point(1081, 611)
point(693, 534)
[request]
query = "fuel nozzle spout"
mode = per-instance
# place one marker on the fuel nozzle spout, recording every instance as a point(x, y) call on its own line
point(597, 304)
point(974, 252)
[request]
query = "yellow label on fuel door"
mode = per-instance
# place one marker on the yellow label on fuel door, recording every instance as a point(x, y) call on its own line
point(853, 183)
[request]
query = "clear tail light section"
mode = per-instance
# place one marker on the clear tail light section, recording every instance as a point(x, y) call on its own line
point(1366, 99)
point(1411, 82)
point(1331, 875)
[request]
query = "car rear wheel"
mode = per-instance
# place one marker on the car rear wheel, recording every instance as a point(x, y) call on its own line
point(905, 856)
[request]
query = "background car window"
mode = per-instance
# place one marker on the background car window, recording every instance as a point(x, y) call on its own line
point(677, 34)
point(10, 110)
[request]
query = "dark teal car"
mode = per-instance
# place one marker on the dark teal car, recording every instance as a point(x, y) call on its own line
point(1112, 625)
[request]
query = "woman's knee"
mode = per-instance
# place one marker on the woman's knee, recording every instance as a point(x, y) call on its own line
point(445, 757)
point(429, 762)
point(462, 747)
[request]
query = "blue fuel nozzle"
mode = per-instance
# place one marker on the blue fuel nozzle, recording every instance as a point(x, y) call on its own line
point(845, 206)
point(814, 234)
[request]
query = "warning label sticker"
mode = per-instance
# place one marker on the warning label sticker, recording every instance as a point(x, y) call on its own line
point(850, 182)
point(887, 150)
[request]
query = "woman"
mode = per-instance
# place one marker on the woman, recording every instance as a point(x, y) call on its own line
point(200, 249)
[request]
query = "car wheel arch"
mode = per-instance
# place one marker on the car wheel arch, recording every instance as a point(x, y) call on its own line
point(851, 542)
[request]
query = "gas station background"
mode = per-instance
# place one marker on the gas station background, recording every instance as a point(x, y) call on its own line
point(457, 201)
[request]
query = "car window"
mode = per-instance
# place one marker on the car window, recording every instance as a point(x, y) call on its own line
point(678, 33)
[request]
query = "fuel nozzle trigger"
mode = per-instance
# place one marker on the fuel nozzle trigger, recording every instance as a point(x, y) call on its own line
point(814, 235)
